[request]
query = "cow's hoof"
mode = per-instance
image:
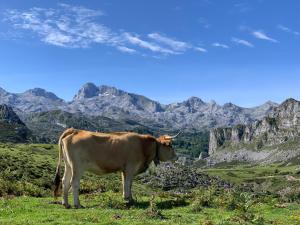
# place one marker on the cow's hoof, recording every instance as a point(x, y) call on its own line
point(79, 207)
point(67, 206)
point(129, 202)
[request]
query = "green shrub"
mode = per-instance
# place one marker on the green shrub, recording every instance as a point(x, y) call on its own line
point(204, 198)
point(152, 212)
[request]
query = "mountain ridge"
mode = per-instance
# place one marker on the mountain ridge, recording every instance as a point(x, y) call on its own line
point(107, 101)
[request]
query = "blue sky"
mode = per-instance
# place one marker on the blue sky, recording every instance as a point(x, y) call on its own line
point(245, 52)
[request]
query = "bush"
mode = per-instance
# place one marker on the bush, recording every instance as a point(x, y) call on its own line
point(290, 194)
point(153, 212)
point(204, 198)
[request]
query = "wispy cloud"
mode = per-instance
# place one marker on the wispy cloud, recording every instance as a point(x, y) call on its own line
point(79, 27)
point(220, 45)
point(263, 36)
point(288, 30)
point(199, 49)
point(241, 7)
point(136, 40)
point(242, 42)
point(172, 43)
point(126, 49)
point(67, 26)
point(204, 23)
point(176, 46)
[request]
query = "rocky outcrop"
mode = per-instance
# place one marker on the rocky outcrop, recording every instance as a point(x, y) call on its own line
point(280, 126)
point(180, 178)
point(12, 129)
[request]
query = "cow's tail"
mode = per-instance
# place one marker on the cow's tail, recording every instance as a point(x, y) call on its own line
point(57, 179)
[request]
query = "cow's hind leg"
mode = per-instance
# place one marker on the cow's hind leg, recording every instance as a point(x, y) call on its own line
point(127, 183)
point(75, 182)
point(66, 184)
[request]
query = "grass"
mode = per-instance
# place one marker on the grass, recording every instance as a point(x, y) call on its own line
point(27, 170)
point(109, 208)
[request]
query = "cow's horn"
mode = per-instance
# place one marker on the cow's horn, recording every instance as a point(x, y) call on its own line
point(172, 137)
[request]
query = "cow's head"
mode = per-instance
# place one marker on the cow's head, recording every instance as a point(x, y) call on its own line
point(165, 150)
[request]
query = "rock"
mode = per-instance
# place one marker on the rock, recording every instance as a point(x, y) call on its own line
point(280, 126)
point(180, 178)
point(203, 155)
point(12, 129)
point(88, 90)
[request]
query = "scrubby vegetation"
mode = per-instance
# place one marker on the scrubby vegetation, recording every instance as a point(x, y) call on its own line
point(27, 170)
point(192, 143)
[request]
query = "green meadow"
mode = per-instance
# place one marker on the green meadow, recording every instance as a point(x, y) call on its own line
point(263, 195)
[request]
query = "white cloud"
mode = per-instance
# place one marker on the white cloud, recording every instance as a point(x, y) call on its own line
point(79, 27)
point(242, 42)
point(135, 40)
point(126, 50)
point(242, 7)
point(263, 36)
point(284, 28)
point(174, 44)
point(220, 45)
point(288, 30)
point(199, 49)
point(67, 26)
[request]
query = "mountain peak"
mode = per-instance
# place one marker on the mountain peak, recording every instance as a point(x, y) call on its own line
point(230, 105)
point(88, 90)
point(42, 93)
point(212, 102)
point(270, 104)
point(2, 91)
point(288, 102)
point(108, 90)
point(195, 101)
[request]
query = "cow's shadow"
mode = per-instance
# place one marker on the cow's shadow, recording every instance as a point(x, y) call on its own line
point(161, 205)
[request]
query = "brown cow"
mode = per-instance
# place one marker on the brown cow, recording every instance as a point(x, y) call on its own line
point(102, 153)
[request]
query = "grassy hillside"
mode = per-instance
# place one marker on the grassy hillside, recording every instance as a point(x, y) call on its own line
point(27, 170)
point(273, 179)
point(192, 143)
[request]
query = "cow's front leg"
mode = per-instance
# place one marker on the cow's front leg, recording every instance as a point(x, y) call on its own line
point(127, 183)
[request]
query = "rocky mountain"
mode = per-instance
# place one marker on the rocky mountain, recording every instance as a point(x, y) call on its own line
point(92, 100)
point(12, 129)
point(46, 127)
point(196, 114)
point(280, 129)
point(33, 100)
